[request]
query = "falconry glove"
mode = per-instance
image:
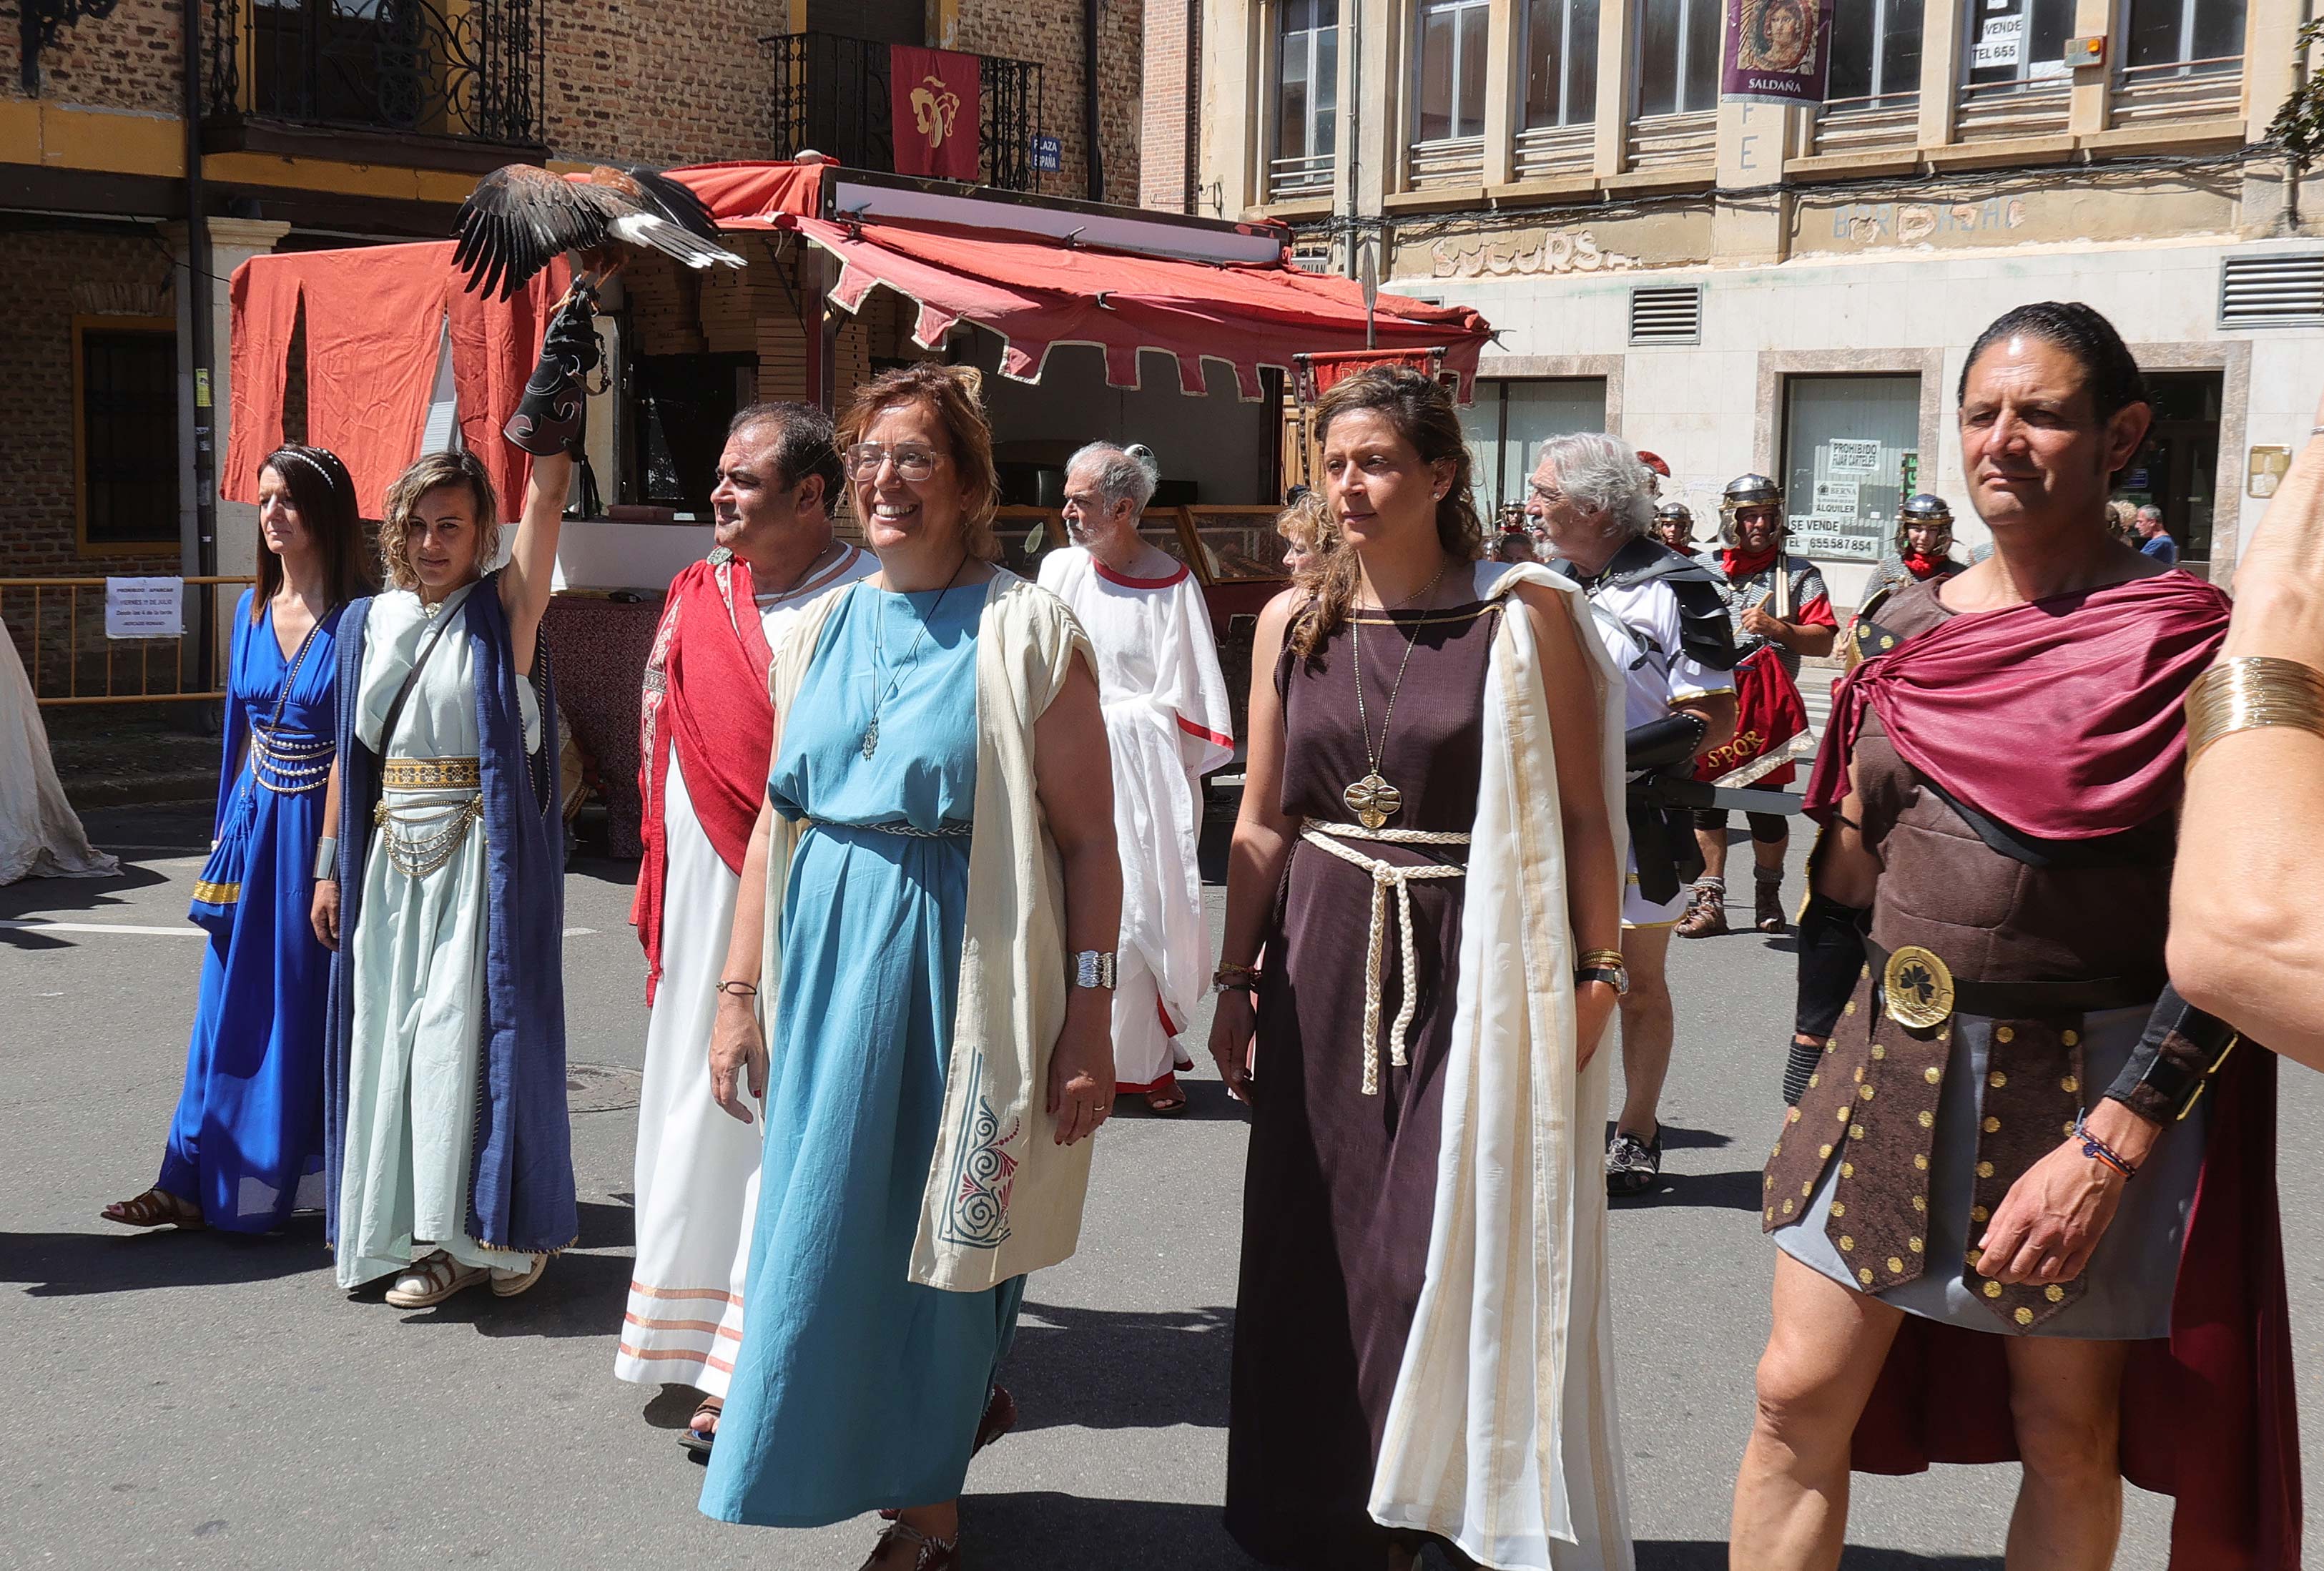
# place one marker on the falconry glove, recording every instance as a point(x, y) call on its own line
point(548, 419)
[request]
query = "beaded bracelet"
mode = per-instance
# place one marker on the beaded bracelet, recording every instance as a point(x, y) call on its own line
point(2098, 1150)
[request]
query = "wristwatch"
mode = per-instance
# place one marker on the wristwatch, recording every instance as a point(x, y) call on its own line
point(1606, 965)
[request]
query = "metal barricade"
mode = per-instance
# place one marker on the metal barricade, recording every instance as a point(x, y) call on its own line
point(59, 624)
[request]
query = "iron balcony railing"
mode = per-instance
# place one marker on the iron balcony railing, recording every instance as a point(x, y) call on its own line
point(832, 95)
point(467, 69)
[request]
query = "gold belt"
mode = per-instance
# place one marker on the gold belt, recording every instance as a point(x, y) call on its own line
point(1386, 876)
point(427, 774)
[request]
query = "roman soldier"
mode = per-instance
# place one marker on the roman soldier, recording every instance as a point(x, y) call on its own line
point(1781, 613)
point(1923, 554)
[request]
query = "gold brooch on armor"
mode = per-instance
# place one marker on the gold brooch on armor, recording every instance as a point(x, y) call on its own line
point(1916, 988)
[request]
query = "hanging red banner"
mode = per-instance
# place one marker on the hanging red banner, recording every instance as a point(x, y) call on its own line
point(936, 98)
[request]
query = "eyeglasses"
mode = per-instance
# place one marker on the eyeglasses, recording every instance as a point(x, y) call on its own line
point(913, 462)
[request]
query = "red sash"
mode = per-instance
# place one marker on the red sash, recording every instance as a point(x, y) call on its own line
point(706, 684)
point(1769, 713)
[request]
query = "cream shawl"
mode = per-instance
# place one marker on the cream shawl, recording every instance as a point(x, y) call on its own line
point(1501, 1434)
point(1002, 1199)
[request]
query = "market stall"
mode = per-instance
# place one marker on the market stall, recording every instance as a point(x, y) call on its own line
point(1092, 323)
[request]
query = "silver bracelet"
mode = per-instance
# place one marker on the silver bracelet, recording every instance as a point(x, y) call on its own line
point(326, 859)
point(1093, 968)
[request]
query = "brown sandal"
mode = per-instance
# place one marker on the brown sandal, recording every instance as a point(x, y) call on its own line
point(156, 1207)
point(697, 1437)
point(935, 1554)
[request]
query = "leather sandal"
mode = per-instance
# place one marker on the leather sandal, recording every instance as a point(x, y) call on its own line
point(156, 1207)
point(507, 1284)
point(935, 1554)
point(696, 1438)
point(433, 1280)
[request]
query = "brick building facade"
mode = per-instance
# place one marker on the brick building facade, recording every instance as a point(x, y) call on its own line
point(93, 195)
point(1171, 160)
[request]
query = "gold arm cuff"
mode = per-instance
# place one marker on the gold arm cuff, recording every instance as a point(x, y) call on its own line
point(2249, 692)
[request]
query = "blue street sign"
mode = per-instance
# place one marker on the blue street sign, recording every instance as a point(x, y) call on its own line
point(1049, 155)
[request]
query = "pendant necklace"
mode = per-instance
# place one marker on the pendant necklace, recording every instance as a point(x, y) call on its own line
point(879, 639)
point(1372, 799)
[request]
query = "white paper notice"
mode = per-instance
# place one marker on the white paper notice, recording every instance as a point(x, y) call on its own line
point(1838, 498)
point(144, 607)
point(1852, 456)
point(1848, 539)
point(2002, 42)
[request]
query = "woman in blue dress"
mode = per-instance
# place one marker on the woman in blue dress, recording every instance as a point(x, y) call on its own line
point(247, 1147)
point(930, 797)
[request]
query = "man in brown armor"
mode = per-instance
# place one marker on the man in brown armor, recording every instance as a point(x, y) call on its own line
point(2012, 1224)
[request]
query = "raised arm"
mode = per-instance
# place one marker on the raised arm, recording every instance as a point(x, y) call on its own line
point(1261, 845)
point(547, 424)
point(532, 559)
point(2245, 928)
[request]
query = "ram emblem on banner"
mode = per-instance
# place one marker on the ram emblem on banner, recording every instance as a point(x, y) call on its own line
point(935, 98)
point(1776, 51)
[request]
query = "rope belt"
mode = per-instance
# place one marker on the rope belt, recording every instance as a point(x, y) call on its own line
point(909, 831)
point(1386, 876)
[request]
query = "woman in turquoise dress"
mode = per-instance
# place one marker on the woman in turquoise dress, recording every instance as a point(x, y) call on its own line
point(247, 1146)
point(860, 1387)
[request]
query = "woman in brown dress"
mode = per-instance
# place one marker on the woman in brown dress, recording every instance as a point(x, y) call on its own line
point(1369, 739)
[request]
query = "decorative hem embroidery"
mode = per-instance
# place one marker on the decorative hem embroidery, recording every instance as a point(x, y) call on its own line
point(977, 1215)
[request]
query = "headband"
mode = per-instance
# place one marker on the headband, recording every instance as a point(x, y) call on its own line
point(311, 462)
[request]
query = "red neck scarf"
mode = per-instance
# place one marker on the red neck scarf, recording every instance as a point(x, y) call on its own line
point(1922, 566)
point(1737, 564)
point(2060, 717)
point(711, 652)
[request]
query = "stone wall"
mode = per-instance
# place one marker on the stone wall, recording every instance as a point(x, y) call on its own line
point(56, 275)
point(1050, 32)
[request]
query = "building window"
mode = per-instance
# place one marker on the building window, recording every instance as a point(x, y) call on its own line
point(1678, 55)
point(1307, 95)
point(1509, 421)
point(1847, 444)
point(2177, 467)
point(1450, 70)
point(1876, 53)
point(125, 410)
point(2021, 40)
point(2200, 34)
point(1561, 62)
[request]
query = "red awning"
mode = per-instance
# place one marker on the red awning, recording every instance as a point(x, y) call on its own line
point(1036, 293)
point(750, 195)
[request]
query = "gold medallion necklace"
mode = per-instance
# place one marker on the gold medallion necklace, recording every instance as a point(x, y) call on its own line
point(1372, 800)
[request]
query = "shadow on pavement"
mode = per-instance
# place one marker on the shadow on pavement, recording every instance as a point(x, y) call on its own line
point(1207, 1102)
point(1042, 1530)
point(1696, 1555)
point(57, 897)
point(1113, 1369)
point(1738, 1191)
point(68, 1265)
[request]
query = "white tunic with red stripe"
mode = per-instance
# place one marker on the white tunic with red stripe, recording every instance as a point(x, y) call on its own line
point(1167, 725)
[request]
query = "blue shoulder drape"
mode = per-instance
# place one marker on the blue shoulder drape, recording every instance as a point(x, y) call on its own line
point(521, 1189)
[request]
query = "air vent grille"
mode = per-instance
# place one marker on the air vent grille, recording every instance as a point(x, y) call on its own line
point(2271, 291)
point(1666, 314)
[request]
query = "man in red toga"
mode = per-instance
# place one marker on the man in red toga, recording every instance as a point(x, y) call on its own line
point(707, 732)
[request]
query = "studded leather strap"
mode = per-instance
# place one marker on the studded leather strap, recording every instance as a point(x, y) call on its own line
point(2033, 1092)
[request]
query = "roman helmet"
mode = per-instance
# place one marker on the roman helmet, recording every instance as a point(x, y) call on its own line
point(1749, 491)
point(1925, 509)
point(1675, 512)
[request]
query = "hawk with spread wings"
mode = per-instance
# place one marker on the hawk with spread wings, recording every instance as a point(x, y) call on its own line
point(521, 218)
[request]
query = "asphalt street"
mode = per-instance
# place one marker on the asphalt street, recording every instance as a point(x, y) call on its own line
point(200, 1400)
